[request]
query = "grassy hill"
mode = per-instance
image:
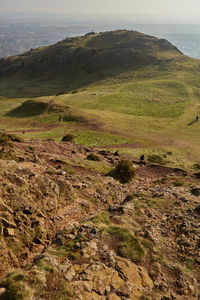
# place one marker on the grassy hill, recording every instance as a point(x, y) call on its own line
point(75, 62)
point(118, 88)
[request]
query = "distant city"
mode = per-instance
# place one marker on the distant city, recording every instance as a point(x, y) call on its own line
point(18, 35)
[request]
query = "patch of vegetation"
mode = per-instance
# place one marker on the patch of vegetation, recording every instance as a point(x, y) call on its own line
point(7, 152)
point(63, 293)
point(157, 159)
point(92, 138)
point(157, 256)
point(7, 139)
point(178, 182)
point(126, 244)
point(68, 138)
point(196, 166)
point(93, 157)
point(124, 171)
point(147, 244)
point(95, 166)
point(101, 218)
point(16, 287)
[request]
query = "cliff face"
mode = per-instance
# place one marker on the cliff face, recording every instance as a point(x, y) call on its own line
point(67, 231)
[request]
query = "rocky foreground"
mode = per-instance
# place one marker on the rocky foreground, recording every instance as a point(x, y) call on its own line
point(68, 231)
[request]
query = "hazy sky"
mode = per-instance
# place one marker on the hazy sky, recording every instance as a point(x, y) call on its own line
point(187, 11)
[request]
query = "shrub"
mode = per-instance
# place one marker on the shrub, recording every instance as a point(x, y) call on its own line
point(93, 157)
point(196, 166)
point(155, 158)
point(197, 175)
point(124, 171)
point(68, 138)
point(7, 139)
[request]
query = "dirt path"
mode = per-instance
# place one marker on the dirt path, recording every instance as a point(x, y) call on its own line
point(191, 111)
point(133, 146)
point(45, 127)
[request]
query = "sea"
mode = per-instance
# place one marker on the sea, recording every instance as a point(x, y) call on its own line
point(20, 33)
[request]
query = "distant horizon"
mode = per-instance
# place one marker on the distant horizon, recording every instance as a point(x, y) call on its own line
point(79, 17)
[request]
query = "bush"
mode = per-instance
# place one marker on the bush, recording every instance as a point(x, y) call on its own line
point(93, 157)
point(68, 138)
point(124, 171)
point(155, 158)
point(196, 166)
point(7, 139)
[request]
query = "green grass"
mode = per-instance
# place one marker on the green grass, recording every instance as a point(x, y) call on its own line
point(16, 287)
point(102, 218)
point(89, 165)
point(92, 138)
point(154, 105)
point(164, 99)
point(126, 244)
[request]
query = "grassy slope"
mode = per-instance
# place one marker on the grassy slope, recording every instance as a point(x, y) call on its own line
point(153, 105)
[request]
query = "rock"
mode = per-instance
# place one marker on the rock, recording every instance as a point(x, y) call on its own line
point(27, 210)
point(146, 280)
point(113, 297)
point(8, 224)
point(192, 290)
point(8, 232)
point(104, 152)
point(37, 241)
point(125, 289)
point(2, 291)
point(4, 207)
point(129, 271)
point(197, 210)
point(116, 281)
point(40, 214)
point(93, 230)
point(136, 295)
point(196, 191)
point(70, 274)
point(116, 209)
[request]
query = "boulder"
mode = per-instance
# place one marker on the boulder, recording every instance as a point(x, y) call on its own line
point(8, 232)
point(197, 210)
point(8, 224)
point(196, 191)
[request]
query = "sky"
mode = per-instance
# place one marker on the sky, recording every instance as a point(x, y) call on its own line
point(185, 11)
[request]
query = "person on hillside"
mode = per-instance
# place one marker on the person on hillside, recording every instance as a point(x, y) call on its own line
point(116, 153)
point(197, 118)
point(142, 158)
point(60, 118)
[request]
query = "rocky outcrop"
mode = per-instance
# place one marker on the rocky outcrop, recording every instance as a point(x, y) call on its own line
point(77, 234)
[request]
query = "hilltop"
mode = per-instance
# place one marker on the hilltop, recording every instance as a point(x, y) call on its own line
point(75, 62)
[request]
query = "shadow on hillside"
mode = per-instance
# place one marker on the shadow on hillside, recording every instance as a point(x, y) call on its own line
point(57, 83)
point(29, 108)
point(193, 122)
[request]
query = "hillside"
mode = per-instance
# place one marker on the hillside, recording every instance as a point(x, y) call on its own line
point(70, 232)
point(72, 226)
point(77, 61)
